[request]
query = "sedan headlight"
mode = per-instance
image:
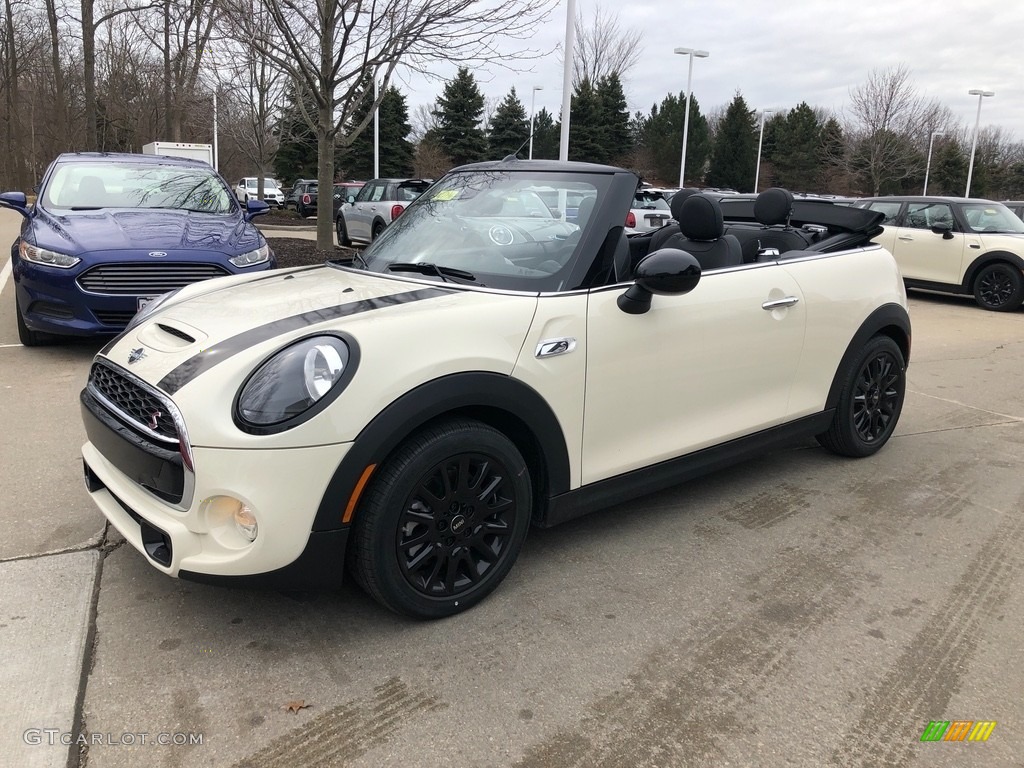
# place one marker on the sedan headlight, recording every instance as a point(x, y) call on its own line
point(300, 379)
point(49, 258)
point(258, 256)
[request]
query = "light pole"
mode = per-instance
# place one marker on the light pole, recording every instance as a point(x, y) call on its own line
point(977, 121)
point(760, 141)
point(376, 129)
point(569, 53)
point(928, 165)
point(692, 53)
point(533, 103)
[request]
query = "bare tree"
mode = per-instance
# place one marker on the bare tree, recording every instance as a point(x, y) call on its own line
point(603, 47)
point(888, 119)
point(326, 47)
point(90, 24)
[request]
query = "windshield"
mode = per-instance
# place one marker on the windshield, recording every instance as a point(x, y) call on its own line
point(494, 226)
point(992, 217)
point(85, 186)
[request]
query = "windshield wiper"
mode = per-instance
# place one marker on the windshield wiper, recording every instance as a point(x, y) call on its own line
point(357, 256)
point(427, 268)
point(87, 207)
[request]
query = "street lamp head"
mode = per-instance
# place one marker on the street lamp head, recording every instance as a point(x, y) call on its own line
point(979, 92)
point(538, 87)
point(693, 52)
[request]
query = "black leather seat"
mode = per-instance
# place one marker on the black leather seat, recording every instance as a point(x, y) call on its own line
point(701, 233)
point(676, 204)
point(772, 209)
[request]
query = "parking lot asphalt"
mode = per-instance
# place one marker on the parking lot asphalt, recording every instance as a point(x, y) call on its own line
point(799, 609)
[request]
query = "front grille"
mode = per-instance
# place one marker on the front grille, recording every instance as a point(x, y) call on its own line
point(133, 401)
point(113, 317)
point(145, 279)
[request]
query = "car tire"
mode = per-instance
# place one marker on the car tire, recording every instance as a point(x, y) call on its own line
point(871, 400)
point(999, 287)
point(377, 229)
point(343, 238)
point(443, 520)
point(26, 335)
point(301, 210)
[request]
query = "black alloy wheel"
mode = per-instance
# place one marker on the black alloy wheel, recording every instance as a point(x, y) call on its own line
point(26, 335)
point(444, 520)
point(999, 287)
point(871, 400)
point(377, 229)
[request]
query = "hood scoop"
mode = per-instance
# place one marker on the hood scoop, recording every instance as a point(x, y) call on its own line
point(170, 335)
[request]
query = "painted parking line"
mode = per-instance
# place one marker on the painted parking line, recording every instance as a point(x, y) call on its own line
point(5, 273)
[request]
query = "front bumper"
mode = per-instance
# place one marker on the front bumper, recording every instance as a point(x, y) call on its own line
point(193, 539)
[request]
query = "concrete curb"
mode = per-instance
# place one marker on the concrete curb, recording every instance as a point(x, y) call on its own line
point(46, 619)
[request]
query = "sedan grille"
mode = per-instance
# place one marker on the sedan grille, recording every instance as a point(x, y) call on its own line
point(138, 405)
point(145, 279)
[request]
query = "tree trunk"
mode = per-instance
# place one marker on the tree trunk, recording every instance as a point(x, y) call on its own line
point(13, 136)
point(325, 176)
point(168, 101)
point(59, 98)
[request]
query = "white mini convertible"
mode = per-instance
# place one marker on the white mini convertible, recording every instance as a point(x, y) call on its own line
point(489, 363)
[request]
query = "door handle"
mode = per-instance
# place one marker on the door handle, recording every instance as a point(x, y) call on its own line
point(787, 301)
point(905, 237)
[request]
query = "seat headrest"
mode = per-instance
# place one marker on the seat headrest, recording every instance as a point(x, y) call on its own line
point(700, 218)
point(676, 203)
point(773, 206)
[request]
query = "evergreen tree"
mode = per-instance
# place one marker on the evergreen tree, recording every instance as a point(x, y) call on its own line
point(617, 139)
point(586, 131)
point(831, 147)
point(459, 111)
point(546, 136)
point(795, 157)
point(661, 135)
point(296, 156)
point(396, 151)
point(735, 148)
point(510, 128)
point(949, 168)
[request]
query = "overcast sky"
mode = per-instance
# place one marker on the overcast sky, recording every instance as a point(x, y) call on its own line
point(778, 54)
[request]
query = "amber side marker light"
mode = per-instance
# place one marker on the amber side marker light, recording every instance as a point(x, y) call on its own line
point(350, 508)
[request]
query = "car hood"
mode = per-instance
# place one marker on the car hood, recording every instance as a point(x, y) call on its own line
point(217, 318)
point(79, 232)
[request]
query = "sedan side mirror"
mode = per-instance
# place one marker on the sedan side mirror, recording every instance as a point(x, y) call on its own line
point(351, 199)
point(255, 208)
point(944, 229)
point(16, 201)
point(667, 272)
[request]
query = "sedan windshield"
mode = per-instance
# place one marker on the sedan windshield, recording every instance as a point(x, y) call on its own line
point(90, 186)
point(512, 230)
point(992, 217)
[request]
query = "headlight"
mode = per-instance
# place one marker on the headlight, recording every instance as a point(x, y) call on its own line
point(293, 381)
point(258, 256)
point(38, 255)
point(150, 308)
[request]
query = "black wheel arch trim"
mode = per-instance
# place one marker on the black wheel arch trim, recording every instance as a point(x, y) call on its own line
point(883, 320)
point(464, 393)
point(984, 260)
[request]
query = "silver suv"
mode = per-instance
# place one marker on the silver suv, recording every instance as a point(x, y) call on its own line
point(365, 215)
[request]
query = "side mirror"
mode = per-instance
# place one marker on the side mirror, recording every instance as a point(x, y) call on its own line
point(946, 230)
point(15, 201)
point(254, 208)
point(350, 199)
point(667, 272)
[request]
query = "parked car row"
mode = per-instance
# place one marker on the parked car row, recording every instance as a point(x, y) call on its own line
point(363, 214)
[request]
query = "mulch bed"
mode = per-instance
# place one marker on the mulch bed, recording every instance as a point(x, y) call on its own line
point(298, 252)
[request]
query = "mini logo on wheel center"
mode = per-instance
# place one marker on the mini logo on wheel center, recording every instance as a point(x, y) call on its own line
point(458, 523)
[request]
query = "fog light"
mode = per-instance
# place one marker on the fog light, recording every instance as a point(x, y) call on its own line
point(230, 521)
point(245, 522)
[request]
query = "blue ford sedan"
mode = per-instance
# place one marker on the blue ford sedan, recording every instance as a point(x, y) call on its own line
point(110, 232)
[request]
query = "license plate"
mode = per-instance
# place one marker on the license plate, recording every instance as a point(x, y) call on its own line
point(656, 220)
point(143, 301)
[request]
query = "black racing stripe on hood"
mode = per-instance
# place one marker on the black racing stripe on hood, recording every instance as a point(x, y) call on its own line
point(211, 356)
